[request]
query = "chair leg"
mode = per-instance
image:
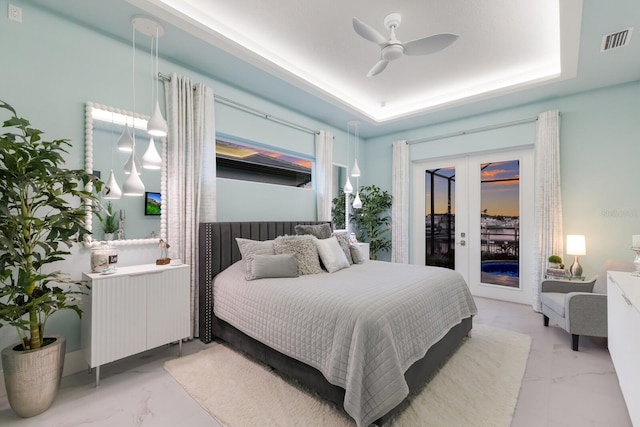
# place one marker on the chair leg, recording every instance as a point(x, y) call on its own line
point(546, 320)
point(574, 342)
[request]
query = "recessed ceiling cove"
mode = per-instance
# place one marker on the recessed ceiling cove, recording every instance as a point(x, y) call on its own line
point(478, 49)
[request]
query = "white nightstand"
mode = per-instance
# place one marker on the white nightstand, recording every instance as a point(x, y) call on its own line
point(132, 310)
point(364, 249)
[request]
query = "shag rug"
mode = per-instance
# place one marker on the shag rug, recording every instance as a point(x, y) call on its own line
point(478, 386)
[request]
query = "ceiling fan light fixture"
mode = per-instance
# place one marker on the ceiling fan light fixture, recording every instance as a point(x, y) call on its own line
point(392, 52)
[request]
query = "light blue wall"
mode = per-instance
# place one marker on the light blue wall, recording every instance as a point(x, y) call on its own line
point(599, 151)
point(51, 67)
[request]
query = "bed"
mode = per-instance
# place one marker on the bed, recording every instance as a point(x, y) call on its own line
point(368, 367)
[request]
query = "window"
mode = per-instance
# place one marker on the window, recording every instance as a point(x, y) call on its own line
point(245, 162)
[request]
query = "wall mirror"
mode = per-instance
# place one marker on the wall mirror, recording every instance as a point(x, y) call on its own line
point(138, 219)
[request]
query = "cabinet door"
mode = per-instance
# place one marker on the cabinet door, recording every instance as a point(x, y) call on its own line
point(168, 307)
point(118, 318)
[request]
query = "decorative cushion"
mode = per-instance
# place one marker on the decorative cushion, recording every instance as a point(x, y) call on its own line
point(321, 231)
point(343, 240)
point(254, 247)
point(304, 249)
point(331, 254)
point(356, 253)
point(263, 266)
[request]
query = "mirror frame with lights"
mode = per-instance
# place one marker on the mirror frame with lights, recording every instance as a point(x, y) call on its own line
point(90, 106)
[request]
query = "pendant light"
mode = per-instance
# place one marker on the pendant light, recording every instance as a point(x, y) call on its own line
point(355, 171)
point(111, 190)
point(357, 203)
point(348, 188)
point(151, 159)
point(132, 159)
point(133, 185)
point(156, 126)
point(125, 143)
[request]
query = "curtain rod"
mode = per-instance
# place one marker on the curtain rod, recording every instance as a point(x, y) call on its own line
point(474, 130)
point(252, 110)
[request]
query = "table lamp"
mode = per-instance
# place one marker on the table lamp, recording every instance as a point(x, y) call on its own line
point(576, 246)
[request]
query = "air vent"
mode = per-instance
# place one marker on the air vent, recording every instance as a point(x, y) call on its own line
point(616, 40)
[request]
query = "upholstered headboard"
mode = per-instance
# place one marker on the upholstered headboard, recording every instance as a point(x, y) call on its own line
point(218, 250)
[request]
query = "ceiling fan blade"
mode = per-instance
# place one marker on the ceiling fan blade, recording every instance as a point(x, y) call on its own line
point(430, 44)
point(368, 33)
point(378, 68)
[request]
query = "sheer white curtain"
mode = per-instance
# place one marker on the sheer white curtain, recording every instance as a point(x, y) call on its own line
point(548, 200)
point(324, 174)
point(191, 172)
point(400, 205)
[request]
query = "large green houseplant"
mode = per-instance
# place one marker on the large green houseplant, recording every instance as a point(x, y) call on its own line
point(42, 213)
point(371, 222)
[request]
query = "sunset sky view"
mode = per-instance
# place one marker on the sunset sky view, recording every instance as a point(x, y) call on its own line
point(498, 198)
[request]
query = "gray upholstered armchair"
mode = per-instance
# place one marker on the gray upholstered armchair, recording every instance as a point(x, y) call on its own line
point(579, 307)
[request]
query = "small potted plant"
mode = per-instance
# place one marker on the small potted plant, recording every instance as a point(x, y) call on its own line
point(555, 262)
point(110, 223)
point(40, 218)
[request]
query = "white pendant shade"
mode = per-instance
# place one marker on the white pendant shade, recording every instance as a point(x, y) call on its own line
point(348, 188)
point(156, 125)
point(127, 166)
point(133, 185)
point(355, 172)
point(125, 143)
point(111, 191)
point(357, 203)
point(151, 159)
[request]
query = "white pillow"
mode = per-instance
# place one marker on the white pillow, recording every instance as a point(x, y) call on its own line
point(331, 254)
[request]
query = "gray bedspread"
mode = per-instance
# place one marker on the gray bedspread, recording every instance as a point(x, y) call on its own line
point(362, 327)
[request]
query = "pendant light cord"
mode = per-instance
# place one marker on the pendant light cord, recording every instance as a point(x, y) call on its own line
point(133, 89)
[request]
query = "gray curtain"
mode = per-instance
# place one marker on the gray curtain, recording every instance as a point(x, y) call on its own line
point(191, 172)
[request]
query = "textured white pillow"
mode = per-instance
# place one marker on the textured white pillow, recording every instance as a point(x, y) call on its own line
point(263, 266)
point(305, 251)
point(331, 254)
point(343, 240)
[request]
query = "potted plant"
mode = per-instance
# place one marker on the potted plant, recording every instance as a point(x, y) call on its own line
point(40, 218)
point(555, 261)
point(372, 220)
point(110, 223)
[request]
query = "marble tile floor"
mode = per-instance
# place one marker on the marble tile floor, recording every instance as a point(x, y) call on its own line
point(561, 388)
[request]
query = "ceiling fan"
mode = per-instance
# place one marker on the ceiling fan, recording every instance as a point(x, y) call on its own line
point(392, 48)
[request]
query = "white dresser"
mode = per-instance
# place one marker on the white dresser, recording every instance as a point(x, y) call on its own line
point(135, 309)
point(623, 316)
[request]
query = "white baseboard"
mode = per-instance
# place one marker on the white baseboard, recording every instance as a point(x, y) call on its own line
point(73, 363)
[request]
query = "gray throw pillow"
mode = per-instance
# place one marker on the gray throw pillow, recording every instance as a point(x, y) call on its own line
point(252, 247)
point(321, 231)
point(303, 248)
point(331, 254)
point(343, 240)
point(356, 253)
point(264, 266)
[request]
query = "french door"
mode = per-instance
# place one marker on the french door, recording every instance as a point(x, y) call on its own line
point(474, 214)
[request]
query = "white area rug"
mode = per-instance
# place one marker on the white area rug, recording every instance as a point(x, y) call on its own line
point(478, 386)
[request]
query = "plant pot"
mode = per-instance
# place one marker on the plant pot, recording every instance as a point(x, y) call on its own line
point(108, 237)
point(32, 377)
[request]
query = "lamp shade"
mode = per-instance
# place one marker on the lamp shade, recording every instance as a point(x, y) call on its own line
point(355, 172)
point(348, 188)
point(151, 159)
point(125, 143)
point(357, 203)
point(133, 185)
point(576, 245)
point(111, 191)
point(134, 159)
point(156, 125)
